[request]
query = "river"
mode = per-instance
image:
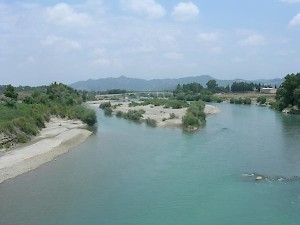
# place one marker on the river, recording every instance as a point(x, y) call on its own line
point(131, 174)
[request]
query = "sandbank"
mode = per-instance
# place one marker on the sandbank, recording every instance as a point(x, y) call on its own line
point(59, 136)
point(160, 114)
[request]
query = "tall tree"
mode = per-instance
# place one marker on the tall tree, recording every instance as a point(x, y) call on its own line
point(289, 92)
point(212, 85)
point(11, 96)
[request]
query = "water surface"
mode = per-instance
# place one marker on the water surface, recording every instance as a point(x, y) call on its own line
point(130, 174)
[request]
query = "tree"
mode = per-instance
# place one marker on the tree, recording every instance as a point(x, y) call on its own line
point(296, 95)
point(288, 93)
point(212, 85)
point(10, 93)
point(11, 96)
point(227, 88)
point(242, 87)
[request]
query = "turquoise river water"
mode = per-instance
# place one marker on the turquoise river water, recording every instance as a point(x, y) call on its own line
point(131, 174)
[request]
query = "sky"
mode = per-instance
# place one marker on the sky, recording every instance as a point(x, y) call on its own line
point(67, 41)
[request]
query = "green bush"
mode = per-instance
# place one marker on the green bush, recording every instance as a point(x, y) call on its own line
point(134, 115)
point(261, 100)
point(247, 101)
point(151, 122)
point(194, 117)
point(217, 99)
point(108, 111)
point(172, 116)
point(26, 125)
point(104, 105)
point(26, 118)
point(22, 138)
point(89, 117)
point(119, 114)
point(167, 103)
point(133, 104)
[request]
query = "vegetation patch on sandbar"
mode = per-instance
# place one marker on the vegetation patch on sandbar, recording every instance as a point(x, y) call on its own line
point(20, 119)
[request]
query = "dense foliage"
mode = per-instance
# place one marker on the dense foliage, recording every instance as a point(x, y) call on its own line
point(27, 117)
point(167, 103)
point(195, 116)
point(245, 101)
point(261, 100)
point(288, 94)
point(134, 115)
point(107, 108)
point(150, 122)
point(214, 87)
point(244, 87)
point(195, 92)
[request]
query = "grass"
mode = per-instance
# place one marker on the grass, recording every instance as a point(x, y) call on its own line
point(25, 120)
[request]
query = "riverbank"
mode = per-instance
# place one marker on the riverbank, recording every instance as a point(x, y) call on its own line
point(59, 136)
point(162, 116)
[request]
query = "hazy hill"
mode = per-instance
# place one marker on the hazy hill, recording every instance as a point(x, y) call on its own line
point(136, 84)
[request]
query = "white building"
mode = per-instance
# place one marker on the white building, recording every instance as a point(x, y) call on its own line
point(268, 90)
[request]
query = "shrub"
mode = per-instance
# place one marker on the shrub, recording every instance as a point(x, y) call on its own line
point(134, 115)
point(104, 105)
point(89, 117)
point(217, 99)
point(190, 120)
point(247, 101)
point(151, 122)
point(261, 100)
point(238, 101)
point(108, 111)
point(195, 116)
point(172, 116)
point(133, 104)
point(22, 138)
point(119, 114)
point(26, 125)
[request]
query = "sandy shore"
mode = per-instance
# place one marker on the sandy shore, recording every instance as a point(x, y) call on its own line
point(57, 138)
point(159, 113)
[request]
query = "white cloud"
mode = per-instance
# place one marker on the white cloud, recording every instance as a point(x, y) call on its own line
point(168, 38)
point(252, 40)
point(173, 55)
point(149, 8)
point(295, 21)
point(64, 15)
point(216, 50)
point(237, 60)
point(208, 37)
point(99, 51)
point(101, 62)
point(185, 11)
point(290, 1)
point(142, 49)
point(30, 59)
point(60, 43)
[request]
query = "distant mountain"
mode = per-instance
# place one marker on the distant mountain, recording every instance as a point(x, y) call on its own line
point(137, 84)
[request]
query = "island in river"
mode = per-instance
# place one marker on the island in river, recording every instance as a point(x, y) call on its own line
point(160, 114)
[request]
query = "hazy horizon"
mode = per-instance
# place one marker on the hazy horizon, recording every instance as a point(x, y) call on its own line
point(70, 41)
